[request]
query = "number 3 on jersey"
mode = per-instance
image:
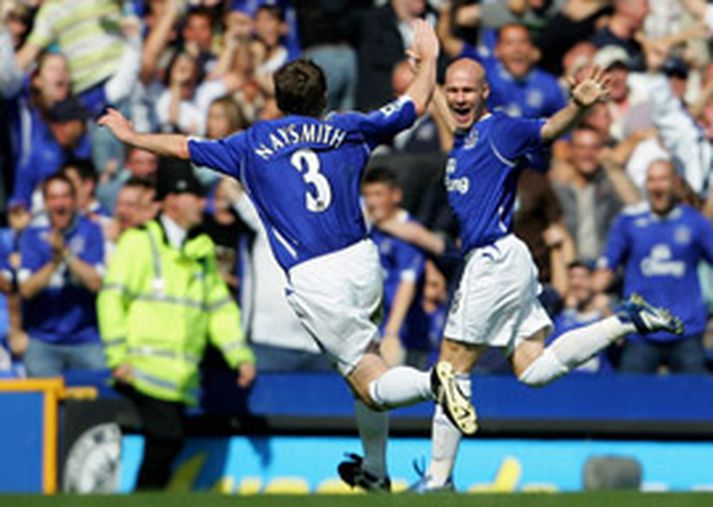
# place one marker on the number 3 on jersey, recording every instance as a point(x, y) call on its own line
point(307, 162)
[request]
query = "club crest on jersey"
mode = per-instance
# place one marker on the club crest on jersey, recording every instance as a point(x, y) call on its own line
point(682, 235)
point(535, 98)
point(471, 139)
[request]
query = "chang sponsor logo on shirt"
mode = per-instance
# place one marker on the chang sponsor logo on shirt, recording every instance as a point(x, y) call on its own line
point(659, 263)
point(460, 185)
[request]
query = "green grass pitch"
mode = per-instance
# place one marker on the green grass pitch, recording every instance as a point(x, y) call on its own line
point(603, 499)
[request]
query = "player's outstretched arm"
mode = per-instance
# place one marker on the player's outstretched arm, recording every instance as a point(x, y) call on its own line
point(442, 114)
point(425, 49)
point(164, 145)
point(585, 94)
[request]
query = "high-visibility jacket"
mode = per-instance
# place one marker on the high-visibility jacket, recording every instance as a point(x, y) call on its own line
point(158, 307)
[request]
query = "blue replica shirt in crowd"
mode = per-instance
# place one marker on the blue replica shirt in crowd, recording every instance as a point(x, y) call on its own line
point(401, 261)
point(64, 312)
point(660, 256)
point(38, 154)
point(303, 175)
point(482, 172)
point(535, 95)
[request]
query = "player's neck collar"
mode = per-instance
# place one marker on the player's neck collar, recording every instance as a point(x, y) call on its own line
point(673, 213)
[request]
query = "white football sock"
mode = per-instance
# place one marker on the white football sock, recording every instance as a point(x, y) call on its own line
point(579, 345)
point(445, 440)
point(574, 348)
point(373, 429)
point(401, 386)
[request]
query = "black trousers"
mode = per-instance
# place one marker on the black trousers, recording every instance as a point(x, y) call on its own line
point(163, 432)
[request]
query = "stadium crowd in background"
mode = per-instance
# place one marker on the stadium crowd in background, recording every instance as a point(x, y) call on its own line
point(204, 68)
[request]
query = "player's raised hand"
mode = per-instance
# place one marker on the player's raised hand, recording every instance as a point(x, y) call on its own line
point(425, 44)
point(118, 124)
point(592, 89)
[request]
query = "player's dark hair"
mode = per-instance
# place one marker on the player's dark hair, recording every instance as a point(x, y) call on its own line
point(301, 88)
point(381, 174)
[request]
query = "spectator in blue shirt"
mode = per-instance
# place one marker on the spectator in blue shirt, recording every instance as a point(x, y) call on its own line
point(660, 245)
point(517, 87)
point(59, 276)
point(405, 325)
point(47, 127)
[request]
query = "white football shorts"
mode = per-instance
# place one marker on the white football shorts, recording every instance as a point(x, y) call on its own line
point(336, 297)
point(496, 301)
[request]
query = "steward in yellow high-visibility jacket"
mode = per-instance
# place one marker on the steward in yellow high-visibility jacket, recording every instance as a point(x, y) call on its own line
point(158, 307)
point(161, 302)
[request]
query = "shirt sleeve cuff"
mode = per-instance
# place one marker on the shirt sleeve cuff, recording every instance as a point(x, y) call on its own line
point(405, 98)
point(23, 275)
point(603, 263)
point(408, 275)
point(241, 356)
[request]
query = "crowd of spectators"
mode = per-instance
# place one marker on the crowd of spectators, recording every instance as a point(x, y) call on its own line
point(623, 204)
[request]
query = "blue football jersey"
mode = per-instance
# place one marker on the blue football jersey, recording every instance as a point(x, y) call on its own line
point(303, 175)
point(660, 256)
point(482, 172)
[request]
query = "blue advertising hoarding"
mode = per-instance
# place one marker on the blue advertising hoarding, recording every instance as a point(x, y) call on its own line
point(287, 464)
point(28, 435)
